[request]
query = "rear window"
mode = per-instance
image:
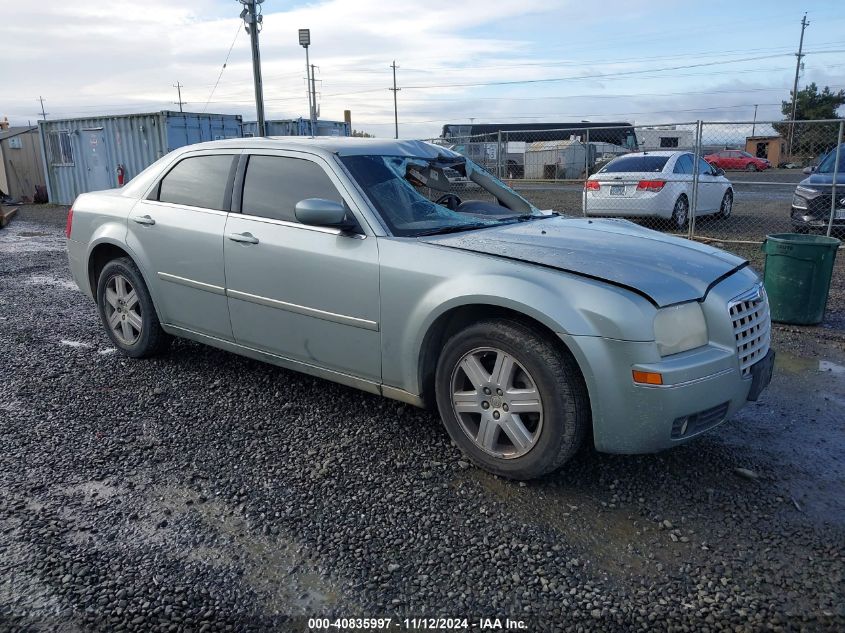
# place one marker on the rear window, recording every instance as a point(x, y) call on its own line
point(636, 163)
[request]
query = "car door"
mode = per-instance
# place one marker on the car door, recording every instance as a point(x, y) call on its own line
point(177, 235)
point(708, 189)
point(305, 293)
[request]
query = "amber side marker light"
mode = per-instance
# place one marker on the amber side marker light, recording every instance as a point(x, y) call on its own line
point(647, 377)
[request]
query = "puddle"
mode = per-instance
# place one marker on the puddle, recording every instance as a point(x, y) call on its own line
point(784, 361)
point(613, 539)
point(274, 565)
point(28, 237)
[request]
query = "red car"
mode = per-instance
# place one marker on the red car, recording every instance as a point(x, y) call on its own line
point(737, 159)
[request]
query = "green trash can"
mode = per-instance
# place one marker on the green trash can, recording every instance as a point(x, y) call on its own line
point(797, 276)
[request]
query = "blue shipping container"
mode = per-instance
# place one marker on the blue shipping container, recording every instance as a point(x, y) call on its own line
point(82, 155)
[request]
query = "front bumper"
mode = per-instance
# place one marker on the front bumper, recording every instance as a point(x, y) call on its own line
point(702, 387)
point(804, 219)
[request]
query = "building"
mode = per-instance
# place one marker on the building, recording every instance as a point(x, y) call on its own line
point(665, 137)
point(81, 155)
point(298, 127)
point(21, 172)
point(771, 147)
point(551, 160)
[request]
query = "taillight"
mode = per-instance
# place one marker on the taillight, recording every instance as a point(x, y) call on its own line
point(69, 223)
point(592, 185)
point(651, 185)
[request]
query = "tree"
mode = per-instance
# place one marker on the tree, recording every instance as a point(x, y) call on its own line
point(363, 134)
point(812, 105)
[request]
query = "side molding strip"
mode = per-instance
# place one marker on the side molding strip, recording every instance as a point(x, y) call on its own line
point(190, 283)
point(304, 310)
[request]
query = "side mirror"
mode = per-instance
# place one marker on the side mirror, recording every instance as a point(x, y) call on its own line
point(320, 212)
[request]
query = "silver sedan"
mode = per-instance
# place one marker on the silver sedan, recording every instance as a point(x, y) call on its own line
point(658, 185)
point(351, 260)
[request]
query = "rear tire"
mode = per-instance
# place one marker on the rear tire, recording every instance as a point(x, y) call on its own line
point(127, 312)
point(680, 214)
point(510, 399)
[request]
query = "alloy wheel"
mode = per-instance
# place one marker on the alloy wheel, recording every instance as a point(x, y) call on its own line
point(680, 213)
point(123, 310)
point(497, 402)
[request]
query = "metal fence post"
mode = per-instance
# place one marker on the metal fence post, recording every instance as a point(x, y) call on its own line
point(833, 184)
point(586, 168)
point(694, 202)
point(499, 155)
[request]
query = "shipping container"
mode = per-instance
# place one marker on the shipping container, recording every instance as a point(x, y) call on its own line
point(82, 155)
point(551, 160)
point(298, 127)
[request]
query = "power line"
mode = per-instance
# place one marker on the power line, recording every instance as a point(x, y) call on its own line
point(226, 61)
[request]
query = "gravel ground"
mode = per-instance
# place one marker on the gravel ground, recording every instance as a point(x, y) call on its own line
point(201, 491)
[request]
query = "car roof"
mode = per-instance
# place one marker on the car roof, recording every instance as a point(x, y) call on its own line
point(338, 145)
point(656, 153)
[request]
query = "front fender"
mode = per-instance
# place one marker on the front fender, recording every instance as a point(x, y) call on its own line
point(421, 283)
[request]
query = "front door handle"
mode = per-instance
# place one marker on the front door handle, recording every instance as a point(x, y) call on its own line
point(144, 219)
point(244, 238)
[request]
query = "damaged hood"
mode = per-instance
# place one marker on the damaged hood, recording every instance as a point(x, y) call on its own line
point(663, 268)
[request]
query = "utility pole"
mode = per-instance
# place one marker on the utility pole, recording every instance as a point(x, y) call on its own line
point(799, 55)
point(252, 19)
point(43, 114)
point(314, 103)
point(179, 87)
point(395, 109)
point(754, 125)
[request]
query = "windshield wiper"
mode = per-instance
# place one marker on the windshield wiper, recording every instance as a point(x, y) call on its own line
point(528, 216)
point(453, 229)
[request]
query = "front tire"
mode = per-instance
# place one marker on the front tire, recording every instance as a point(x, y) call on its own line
point(127, 311)
point(751, 167)
point(510, 399)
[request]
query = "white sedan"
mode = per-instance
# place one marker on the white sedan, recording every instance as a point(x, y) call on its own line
point(657, 184)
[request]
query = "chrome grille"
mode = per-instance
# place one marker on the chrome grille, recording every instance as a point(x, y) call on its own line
point(752, 327)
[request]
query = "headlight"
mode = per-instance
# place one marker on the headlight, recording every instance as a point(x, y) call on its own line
point(798, 202)
point(680, 328)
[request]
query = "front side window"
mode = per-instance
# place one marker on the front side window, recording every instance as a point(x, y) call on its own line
point(274, 184)
point(61, 150)
point(198, 181)
point(704, 168)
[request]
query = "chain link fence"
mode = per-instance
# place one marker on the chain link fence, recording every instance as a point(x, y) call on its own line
point(726, 183)
point(731, 182)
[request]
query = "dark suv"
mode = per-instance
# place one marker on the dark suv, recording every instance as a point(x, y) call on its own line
point(811, 201)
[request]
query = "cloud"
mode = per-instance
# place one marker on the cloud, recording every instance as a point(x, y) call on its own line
point(87, 58)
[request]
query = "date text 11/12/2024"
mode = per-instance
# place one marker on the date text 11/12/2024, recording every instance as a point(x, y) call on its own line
point(416, 624)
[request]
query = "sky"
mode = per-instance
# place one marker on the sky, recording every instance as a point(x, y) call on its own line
point(474, 60)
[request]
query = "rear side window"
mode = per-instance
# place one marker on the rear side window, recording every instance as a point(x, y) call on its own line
point(198, 181)
point(683, 165)
point(636, 163)
point(274, 184)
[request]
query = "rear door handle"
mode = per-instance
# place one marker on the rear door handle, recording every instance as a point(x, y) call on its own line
point(244, 238)
point(144, 219)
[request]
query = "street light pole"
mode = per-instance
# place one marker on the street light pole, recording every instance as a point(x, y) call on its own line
point(305, 42)
point(252, 18)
